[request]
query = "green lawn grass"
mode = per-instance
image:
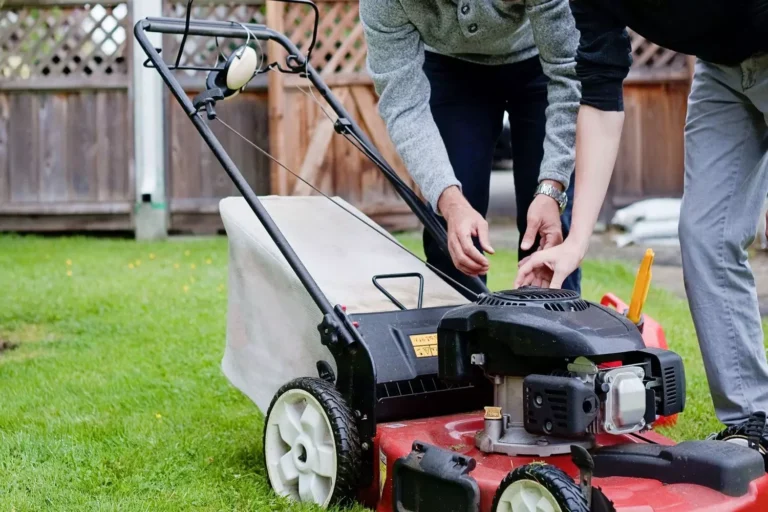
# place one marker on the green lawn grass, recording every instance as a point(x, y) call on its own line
point(114, 398)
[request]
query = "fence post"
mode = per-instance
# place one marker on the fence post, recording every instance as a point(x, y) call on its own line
point(151, 212)
point(276, 101)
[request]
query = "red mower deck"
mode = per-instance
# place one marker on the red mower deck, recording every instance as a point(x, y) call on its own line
point(394, 440)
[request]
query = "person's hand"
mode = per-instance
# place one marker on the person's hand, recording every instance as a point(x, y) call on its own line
point(543, 220)
point(464, 222)
point(548, 268)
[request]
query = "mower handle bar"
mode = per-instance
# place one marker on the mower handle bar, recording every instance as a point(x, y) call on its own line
point(357, 373)
point(296, 63)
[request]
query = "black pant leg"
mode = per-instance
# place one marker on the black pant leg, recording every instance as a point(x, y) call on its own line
point(469, 116)
point(527, 118)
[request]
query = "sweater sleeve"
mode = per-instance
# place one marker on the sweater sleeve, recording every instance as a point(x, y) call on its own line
point(555, 35)
point(603, 58)
point(394, 62)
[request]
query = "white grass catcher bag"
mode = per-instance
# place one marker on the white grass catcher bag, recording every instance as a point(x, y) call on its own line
point(272, 334)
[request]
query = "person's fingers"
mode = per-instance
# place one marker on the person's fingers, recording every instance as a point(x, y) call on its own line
point(465, 239)
point(523, 279)
point(545, 283)
point(524, 261)
point(530, 234)
point(457, 255)
point(558, 277)
point(536, 281)
point(460, 260)
point(551, 240)
point(483, 236)
point(525, 272)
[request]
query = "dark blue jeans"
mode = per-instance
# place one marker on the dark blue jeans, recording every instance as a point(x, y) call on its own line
point(468, 102)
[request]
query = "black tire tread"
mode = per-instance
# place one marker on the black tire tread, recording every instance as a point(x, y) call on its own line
point(344, 430)
point(565, 491)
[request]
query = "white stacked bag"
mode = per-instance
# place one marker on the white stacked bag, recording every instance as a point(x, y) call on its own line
point(651, 222)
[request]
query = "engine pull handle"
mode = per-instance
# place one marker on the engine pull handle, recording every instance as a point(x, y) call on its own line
point(642, 285)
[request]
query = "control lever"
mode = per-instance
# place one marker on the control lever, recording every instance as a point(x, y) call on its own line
point(208, 99)
point(583, 460)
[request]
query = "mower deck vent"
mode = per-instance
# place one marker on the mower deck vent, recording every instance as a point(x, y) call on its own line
point(576, 305)
point(670, 390)
point(557, 401)
point(558, 404)
point(419, 385)
point(551, 300)
point(545, 294)
point(497, 301)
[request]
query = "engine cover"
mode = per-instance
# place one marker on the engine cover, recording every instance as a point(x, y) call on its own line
point(514, 327)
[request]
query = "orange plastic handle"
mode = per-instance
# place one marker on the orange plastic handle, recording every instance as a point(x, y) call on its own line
point(642, 285)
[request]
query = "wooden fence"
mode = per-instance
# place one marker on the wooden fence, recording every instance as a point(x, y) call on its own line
point(650, 161)
point(303, 137)
point(66, 118)
point(195, 180)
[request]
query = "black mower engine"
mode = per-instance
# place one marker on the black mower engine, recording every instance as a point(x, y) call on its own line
point(564, 370)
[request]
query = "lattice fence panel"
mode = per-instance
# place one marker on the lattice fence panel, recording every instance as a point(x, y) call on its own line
point(649, 57)
point(340, 45)
point(51, 41)
point(203, 51)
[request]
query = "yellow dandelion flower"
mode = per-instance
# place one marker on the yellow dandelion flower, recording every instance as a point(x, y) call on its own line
point(193, 266)
point(69, 263)
point(186, 253)
point(208, 261)
point(69, 273)
point(186, 288)
point(138, 263)
point(130, 265)
point(176, 265)
point(152, 256)
point(158, 416)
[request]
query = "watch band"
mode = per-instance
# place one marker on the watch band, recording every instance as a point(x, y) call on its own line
point(554, 193)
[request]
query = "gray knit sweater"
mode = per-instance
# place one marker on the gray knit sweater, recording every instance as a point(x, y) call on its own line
point(482, 31)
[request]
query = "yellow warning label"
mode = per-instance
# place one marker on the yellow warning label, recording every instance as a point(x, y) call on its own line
point(382, 472)
point(425, 345)
point(493, 413)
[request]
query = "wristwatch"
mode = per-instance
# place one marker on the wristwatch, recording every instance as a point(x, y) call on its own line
point(552, 191)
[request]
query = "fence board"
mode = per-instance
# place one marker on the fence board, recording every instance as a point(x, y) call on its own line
point(54, 148)
point(5, 194)
point(24, 148)
point(83, 136)
point(196, 180)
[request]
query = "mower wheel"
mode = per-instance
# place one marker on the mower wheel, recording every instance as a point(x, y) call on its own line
point(538, 487)
point(311, 446)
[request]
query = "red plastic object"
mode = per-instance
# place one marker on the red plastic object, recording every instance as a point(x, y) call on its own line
point(653, 336)
point(653, 333)
point(394, 440)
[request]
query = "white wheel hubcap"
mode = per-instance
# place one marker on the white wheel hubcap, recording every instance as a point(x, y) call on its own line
point(299, 449)
point(527, 496)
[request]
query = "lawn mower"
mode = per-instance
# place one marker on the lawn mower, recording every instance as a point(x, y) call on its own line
point(425, 394)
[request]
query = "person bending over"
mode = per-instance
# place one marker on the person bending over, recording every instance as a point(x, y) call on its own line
point(445, 72)
point(726, 171)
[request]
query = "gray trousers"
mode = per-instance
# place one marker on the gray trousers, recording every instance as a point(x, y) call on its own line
point(726, 184)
